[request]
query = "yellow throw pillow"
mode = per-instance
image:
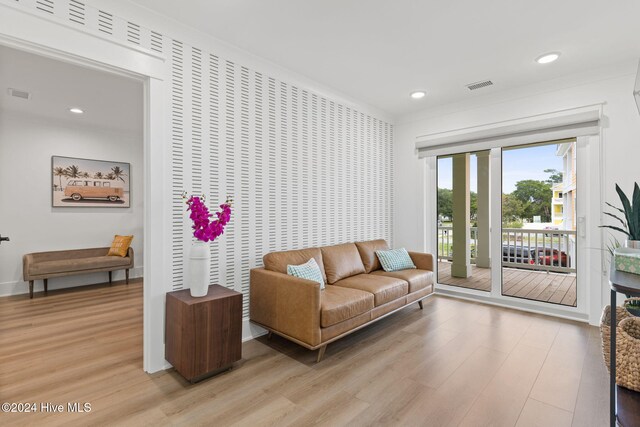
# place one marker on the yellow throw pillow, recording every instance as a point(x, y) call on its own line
point(120, 246)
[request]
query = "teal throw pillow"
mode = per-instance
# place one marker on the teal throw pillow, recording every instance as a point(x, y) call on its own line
point(395, 259)
point(309, 270)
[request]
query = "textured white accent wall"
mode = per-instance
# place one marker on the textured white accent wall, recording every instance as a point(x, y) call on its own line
point(305, 169)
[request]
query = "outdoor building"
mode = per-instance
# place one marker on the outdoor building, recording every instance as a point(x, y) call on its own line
point(567, 151)
point(557, 205)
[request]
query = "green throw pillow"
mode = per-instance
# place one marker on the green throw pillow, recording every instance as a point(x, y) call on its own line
point(309, 270)
point(395, 259)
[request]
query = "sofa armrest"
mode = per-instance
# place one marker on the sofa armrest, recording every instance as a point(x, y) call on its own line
point(286, 304)
point(422, 261)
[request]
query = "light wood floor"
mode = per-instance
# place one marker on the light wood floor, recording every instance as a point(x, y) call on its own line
point(556, 288)
point(453, 363)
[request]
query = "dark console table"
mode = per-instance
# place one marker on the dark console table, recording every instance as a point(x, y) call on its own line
point(203, 336)
point(624, 403)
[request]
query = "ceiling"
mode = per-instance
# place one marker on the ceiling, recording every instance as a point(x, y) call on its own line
point(378, 51)
point(109, 101)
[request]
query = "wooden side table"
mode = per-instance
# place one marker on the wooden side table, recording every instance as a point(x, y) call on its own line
point(203, 336)
point(624, 403)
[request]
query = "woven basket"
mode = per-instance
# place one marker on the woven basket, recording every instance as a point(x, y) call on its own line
point(605, 329)
point(628, 353)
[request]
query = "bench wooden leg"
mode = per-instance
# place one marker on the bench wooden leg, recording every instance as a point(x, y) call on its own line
point(110, 277)
point(321, 353)
point(420, 304)
point(30, 289)
point(126, 273)
point(46, 286)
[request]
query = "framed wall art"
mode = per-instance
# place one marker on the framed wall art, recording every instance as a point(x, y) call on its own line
point(90, 183)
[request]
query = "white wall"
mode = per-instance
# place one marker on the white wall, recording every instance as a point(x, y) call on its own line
point(612, 86)
point(26, 146)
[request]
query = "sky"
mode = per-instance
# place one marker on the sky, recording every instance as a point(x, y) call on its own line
point(517, 165)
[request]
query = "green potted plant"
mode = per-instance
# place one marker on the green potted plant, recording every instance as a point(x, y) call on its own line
point(633, 306)
point(631, 222)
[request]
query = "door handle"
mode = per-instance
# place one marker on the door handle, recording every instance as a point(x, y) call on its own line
point(3, 239)
point(582, 227)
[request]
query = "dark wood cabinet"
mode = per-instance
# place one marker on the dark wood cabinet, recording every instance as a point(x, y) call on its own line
point(203, 335)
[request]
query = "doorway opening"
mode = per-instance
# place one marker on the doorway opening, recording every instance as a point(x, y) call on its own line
point(92, 123)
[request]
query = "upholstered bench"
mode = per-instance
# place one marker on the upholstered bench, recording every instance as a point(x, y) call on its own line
point(45, 265)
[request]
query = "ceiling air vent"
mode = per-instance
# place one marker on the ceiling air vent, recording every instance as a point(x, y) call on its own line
point(479, 85)
point(19, 93)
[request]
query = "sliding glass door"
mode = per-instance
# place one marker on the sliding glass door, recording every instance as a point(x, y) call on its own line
point(463, 237)
point(513, 209)
point(539, 250)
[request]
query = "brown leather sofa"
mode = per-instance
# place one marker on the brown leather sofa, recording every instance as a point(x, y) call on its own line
point(358, 292)
point(45, 265)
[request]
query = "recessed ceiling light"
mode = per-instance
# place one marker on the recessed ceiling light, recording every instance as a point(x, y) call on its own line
point(418, 94)
point(76, 110)
point(548, 58)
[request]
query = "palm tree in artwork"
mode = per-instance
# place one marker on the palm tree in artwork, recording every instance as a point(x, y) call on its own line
point(98, 175)
point(118, 173)
point(110, 175)
point(84, 174)
point(59, 172)
point(73, 171)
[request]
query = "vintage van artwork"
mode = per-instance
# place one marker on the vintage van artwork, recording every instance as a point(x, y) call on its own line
point(90, 183)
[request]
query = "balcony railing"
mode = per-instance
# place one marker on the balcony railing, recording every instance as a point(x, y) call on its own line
point(539, 250)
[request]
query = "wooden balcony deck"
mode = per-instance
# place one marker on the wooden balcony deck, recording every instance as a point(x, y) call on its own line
point(556, 288)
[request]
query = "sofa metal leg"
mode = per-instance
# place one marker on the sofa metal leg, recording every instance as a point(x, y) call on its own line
point(269, 335)
point(321, 353)
point(420, 304)
point(46, 286)
point(110, 278)
point(126, 273)
point(30, 289)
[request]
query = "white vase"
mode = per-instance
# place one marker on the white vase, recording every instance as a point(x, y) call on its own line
point(199, 258)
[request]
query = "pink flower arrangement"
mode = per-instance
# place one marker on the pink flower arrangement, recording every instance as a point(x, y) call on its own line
point(203, 228)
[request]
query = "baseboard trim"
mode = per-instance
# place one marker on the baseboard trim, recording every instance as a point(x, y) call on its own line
point(20, 287)
point(513, 305)
point(251, 330)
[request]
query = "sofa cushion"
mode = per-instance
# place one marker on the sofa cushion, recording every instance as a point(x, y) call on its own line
point(384, 289)
point(418, 279)
point(341, 261)
point(367, 252)
point(278, 261)
point(346, 326)
point(338, 304)
point(68, 254)
point(78, 264)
